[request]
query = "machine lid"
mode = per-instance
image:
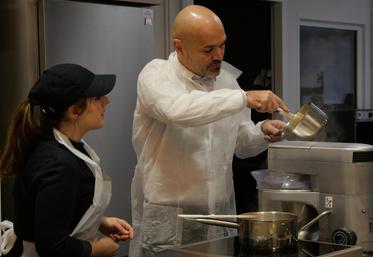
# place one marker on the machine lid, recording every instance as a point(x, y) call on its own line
point(352, 147)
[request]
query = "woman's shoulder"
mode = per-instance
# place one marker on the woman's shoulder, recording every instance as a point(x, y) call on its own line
point(50, 156)
point(49, 148)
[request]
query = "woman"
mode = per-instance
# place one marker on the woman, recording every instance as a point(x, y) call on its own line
point(60, 191)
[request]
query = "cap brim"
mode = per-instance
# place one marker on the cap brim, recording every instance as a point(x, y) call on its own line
point(101, 85)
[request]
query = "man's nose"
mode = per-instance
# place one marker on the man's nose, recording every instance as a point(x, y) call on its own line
point(219, 54)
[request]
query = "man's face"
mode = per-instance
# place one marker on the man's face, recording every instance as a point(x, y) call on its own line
point(204, 53)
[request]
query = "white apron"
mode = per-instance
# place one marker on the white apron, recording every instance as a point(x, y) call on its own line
point(90, 222)
point(7, 237)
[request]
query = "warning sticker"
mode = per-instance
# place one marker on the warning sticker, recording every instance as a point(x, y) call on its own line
point(328, 201)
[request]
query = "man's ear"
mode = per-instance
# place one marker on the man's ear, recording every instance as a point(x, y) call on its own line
point(178, 45)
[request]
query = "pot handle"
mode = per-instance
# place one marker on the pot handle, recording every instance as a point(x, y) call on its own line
point(309, 224)
point(218, 223)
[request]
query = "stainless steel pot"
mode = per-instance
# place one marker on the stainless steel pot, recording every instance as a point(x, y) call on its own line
point(270, 231)
point(306, 123)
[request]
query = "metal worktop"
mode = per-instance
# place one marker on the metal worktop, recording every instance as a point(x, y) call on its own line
point(229, 246)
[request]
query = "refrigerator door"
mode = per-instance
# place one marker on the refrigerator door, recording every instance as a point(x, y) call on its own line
point(110, 39)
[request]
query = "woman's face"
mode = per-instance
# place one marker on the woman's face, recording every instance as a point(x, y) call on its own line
point(93, 115)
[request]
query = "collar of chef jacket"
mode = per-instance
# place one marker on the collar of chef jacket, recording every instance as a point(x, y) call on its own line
point(204, 82)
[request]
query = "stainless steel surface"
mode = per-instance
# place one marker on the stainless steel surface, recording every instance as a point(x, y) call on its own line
point(271, 231)
point(341, 176)
point(19, 69)
point(274, 218)
point(268, 231)
point(229, 247)
point(324, 161)
point(306, 123)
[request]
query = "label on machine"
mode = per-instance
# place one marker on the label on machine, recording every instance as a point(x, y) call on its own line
point(329, 202)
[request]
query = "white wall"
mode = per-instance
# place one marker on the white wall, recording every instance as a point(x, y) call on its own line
point(350, 14)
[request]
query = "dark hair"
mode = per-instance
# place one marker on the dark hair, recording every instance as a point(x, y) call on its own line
point(28, 123)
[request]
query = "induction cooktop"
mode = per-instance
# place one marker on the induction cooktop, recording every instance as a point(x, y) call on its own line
point(230, 246)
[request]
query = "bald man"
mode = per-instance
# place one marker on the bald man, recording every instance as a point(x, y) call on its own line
point(191, 117)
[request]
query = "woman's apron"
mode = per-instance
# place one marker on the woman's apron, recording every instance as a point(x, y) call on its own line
point(7, 237)
point(88, 225)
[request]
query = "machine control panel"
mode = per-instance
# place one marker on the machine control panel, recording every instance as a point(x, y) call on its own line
point(364, 115)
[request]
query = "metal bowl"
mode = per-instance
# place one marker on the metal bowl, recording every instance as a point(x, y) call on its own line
point(306, 123)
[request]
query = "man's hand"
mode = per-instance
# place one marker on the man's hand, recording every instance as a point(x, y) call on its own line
point(272, 130)
point(264, 101)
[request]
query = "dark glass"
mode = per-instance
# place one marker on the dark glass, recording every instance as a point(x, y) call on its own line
point(328, 67)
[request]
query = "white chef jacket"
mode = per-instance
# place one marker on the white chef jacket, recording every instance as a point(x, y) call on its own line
point(186, 130)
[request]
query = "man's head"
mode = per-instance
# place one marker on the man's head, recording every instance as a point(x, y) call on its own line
point(199, 40)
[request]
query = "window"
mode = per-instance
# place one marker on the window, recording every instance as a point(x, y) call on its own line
point(328, 67)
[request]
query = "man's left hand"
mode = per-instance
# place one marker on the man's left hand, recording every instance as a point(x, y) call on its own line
point(272, 130)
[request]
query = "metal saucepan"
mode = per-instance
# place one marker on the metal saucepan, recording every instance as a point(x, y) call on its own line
point(268, 231)
point(306, 123)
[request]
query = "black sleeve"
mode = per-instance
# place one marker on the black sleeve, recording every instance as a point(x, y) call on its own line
point(56, 187)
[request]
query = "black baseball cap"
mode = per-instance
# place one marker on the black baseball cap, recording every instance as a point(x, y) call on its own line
point(62, 85)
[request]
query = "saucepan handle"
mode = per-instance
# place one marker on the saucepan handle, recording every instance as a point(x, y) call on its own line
point(289, 115)
point(218, 223)
point(309, 224)
point(300, 235)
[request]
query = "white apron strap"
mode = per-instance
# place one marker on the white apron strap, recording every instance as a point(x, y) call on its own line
point(7, 237)
point(88, 225)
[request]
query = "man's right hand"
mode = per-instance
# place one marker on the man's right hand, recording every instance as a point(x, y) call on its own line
point(264, 101)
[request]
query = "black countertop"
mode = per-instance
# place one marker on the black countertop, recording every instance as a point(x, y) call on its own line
point(230, 246)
